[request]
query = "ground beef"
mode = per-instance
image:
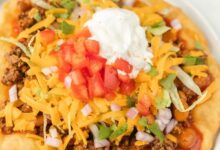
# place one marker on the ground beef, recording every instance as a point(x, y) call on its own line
point(25, 108)
point(25, 21)
point(166, 145)
point(24, 5)
point(16, 70)
point(189, 93)
point(204, 82)
point(3, 128)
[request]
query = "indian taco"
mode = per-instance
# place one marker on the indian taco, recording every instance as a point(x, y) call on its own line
point(104, 74)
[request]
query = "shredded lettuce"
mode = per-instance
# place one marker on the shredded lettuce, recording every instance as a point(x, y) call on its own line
point(187, 80)
point(158, 28)
point(42, 4)
point(178, 103)
point(167, 82)
point(163, 102)
point(18, 44)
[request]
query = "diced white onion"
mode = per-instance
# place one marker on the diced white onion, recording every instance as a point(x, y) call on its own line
point(13, 95)
point(95, 131)
point(132, 113)
point(86, 110)
point(67, 81)
point(170, 126)
point(176, 24)
point(53, 142)
point(42, 4)
point(145, 137)
point(164, 115)
point(77, 12)
point(49, 70)
point(161, 125)
point(115, 107)
point(53, 132)
point(60, 42)
point(101, 143)
point(128, 2)
point(121, 72)
point(187, 80)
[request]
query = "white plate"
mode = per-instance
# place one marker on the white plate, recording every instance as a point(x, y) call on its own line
point(211, 36)
point(214, 41)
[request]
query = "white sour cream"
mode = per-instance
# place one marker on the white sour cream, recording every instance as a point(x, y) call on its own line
point(120, 35)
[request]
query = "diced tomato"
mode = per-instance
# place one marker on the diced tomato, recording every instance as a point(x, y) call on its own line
point(111, 81)
point(110, 95)
point(96, 86)
point(123, 65)
point(84, 33)
point(80, 47)
point(92, 46)
point(79, 61)
point(67, 50)
point(15, 28)
point(47, 36)
point(124, 78)
point(81, 92)
point(64, 70)
point(127, 88)
point(143, 106)
point(96, 63)
point(77, 77)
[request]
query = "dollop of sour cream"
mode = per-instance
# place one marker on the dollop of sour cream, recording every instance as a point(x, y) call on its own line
point(120, 35)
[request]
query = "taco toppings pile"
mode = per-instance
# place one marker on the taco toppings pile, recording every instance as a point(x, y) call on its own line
point(104, 74)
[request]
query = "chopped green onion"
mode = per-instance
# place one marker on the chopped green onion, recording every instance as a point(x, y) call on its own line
point(189, 60)
point(63, 16)
point(119, 131)
point(167, 82)
point(154, 128)
point(143, 122)
point(130, 101)
point(198, 45)
point(153, 72)
point(113, 127)
point(66, 28)
point(37, 16)
point(68, 4)
point(200, 61)
point(104, 132)
point(163, 102)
